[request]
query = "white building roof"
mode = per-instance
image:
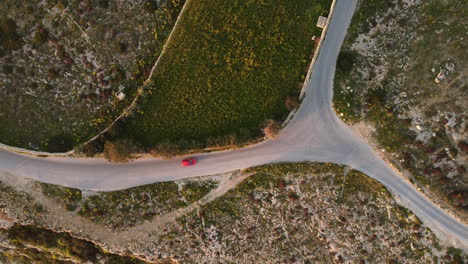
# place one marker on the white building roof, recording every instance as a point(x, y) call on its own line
point(321, 22)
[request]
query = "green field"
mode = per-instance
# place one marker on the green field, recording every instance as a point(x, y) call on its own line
point(229, 67)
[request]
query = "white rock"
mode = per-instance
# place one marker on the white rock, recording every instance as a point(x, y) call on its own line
point(440, 77)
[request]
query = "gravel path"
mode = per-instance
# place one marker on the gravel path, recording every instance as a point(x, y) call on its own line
point(314, 134)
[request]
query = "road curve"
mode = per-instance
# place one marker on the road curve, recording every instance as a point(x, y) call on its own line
point(314, 134)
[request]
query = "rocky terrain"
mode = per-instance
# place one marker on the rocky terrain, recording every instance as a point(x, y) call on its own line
point(287, 213)
point(401, 81)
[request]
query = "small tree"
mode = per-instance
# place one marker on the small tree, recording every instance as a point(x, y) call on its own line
point(119, 151)
point(272, 129)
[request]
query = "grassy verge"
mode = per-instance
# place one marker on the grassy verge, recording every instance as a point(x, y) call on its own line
point(231, 66)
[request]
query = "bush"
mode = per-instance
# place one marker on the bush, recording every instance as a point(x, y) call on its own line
point(292, 102)
point(165, 149)
point(151, 6)
point(8, 69)
point(119, 151)
point(9, 38)
point(272, 129)
point(169, 149)
point(104, 4)
point(41, 36)
point(346, 61)
point(92, 148)
point(69, 197)
point(53, 73)
point(60, 143)
point(121, 47)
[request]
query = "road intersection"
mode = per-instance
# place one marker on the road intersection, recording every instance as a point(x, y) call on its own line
point(314, 134)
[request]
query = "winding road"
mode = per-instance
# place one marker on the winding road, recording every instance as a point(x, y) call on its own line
point(314, 134)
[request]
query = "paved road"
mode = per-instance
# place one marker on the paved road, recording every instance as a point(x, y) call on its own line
point(315, 134)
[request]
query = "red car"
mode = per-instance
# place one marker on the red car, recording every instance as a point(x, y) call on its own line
point(189, 162)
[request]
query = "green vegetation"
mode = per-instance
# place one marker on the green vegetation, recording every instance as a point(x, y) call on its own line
point(231, 65)
point(126, 208)
point(38, 245)
point(344, 102)
point(357, 182)
point(292, 212)
point(70, 59)
point(69, 197)
point(193, 191)
point(10, 40)
point(281, 212)
point(366, 14)
point(119, 151)
point(354, 181)
point(297, 168)
point(391, 85)
point(273, 176)
point(24, 202)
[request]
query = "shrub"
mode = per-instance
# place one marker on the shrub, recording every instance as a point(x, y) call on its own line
point(122, 47)
point(104, 4)
point(459, 198)
point(151, 6)
point(9, 40)
point(346, 61)
point(70, 197)
point(53, 73)
point(41, 36)
point(119, 151)
point(169, 149)
point(292, 102)
point(60, 143)
point(165, 149)
point(8, 69)
point(272, 129)
point(92, 148)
